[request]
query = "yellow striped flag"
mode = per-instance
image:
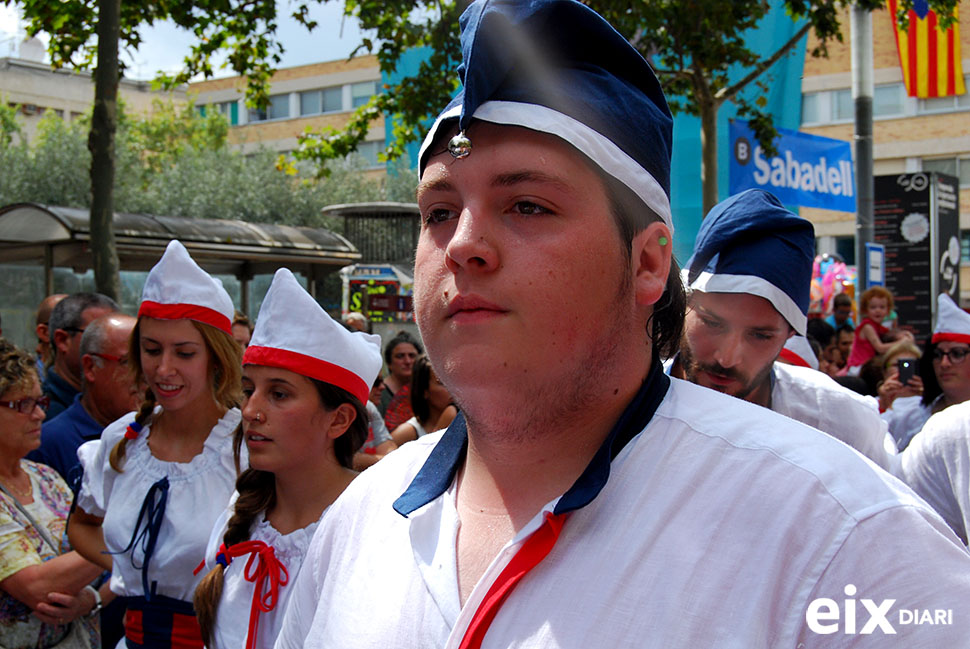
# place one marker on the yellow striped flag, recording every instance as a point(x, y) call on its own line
point(929, 56)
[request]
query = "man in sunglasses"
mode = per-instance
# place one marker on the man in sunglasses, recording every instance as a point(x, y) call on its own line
point(67, 322)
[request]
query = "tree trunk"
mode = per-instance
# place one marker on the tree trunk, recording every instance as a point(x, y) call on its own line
point(101, 143)
point(708, 112)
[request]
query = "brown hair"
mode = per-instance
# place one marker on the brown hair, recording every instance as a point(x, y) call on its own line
point(420, 382)
point(226, 358)
point(17, 369)
point(257, 493)
point(240, 318)
point(875, 291)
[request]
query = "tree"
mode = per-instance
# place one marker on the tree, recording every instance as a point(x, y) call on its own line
point(695, 46)
point(246, 30)
point(101, 143)
point(177, 163)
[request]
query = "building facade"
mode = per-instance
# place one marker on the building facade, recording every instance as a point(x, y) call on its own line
point(308, 96)
point(35, 88)
point(909, 134)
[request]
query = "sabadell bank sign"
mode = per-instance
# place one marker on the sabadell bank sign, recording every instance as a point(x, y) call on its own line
point(808, 170)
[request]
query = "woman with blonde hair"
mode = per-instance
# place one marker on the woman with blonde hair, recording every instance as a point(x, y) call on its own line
point(158, 479)
point(892, 385)
point(305, 381)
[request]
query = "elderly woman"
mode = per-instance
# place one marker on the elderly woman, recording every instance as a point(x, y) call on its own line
point(42, 590)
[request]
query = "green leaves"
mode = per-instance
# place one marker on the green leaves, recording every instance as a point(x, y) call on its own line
point(693, 45)
point(177, 163)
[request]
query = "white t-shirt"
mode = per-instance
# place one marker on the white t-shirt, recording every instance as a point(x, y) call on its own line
point(377, 426)
point(197, 495)
point(813, 398)
point(233, 613)
point(718, 526)
point(936, 464)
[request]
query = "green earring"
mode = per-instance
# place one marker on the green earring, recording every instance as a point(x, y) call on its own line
point(663, 241)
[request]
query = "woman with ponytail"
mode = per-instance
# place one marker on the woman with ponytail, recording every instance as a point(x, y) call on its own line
point(158, 479)
point(305, 380)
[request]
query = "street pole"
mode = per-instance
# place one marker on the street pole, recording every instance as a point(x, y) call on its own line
point(862, 90)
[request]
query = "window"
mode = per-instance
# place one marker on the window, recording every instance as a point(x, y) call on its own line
point(942, 104)
point(361, 92)
point(959, 167)
point(279, 106)
point(828, 106)
point(888, 100)
point(965, 246)
point(811, 109)
point(845, 248)
point(333, 99)
point(369, 150)
point(310, 102)
point(843, 107)
point(327, 100)
point(942, 165)
point(229, 109)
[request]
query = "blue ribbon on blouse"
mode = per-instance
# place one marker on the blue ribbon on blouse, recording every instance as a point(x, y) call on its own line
point(152, 513)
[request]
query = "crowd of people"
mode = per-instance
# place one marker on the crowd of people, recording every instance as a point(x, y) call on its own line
point(585, 447)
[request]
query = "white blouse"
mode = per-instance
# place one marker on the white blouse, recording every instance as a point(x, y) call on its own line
point(197, 494)
point(233, 612)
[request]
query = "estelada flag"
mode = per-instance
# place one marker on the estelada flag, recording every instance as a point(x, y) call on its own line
point(929, 56)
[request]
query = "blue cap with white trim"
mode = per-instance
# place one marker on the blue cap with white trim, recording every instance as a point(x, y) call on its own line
point(558, 67)
point(749, 243)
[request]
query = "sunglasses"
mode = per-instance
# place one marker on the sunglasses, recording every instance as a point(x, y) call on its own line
point(26, 406)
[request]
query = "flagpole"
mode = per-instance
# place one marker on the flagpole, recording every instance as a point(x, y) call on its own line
point(862, 91)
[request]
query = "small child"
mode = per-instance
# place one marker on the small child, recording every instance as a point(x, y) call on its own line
point(875, 304)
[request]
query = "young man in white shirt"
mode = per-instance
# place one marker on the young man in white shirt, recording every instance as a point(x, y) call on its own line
point(584, 498)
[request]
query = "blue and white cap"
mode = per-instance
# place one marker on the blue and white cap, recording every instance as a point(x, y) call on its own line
point(558, 67)
point(749, 243)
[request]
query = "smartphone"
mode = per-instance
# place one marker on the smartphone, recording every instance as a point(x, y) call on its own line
point(907, 368)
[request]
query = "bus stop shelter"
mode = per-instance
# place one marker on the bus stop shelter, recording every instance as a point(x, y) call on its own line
point(32, 233)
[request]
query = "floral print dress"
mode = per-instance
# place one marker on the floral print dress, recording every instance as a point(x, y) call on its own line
point(21, 546)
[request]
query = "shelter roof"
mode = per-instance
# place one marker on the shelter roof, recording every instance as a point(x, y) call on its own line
point(60, 236)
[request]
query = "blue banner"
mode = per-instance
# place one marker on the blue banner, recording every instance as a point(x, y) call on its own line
point(809, 170)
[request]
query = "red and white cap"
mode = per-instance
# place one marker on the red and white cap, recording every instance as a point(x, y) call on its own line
point(177, 288)
point(294, 333)
point(798, 351)
point(952, 322)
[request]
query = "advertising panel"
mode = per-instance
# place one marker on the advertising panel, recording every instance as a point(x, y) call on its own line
point(916, 218)
point(809, 170)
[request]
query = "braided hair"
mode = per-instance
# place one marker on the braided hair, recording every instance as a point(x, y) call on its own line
point(257, 494)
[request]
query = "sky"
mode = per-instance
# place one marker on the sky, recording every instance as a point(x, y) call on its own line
point(164, 46)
